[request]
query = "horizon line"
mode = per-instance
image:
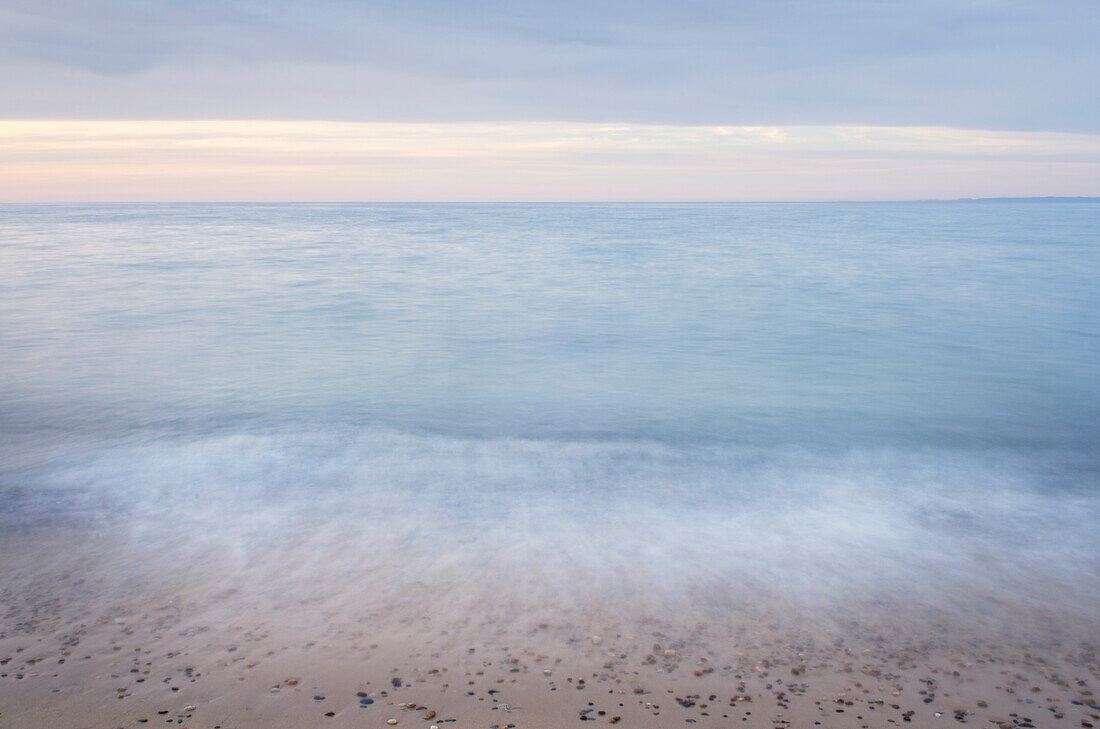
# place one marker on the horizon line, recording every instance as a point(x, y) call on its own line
point(1023, 198)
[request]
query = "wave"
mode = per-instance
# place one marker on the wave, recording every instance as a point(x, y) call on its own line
point(634, 524)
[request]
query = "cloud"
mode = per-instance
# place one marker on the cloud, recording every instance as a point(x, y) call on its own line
point(305, 160)
point(1006, 65)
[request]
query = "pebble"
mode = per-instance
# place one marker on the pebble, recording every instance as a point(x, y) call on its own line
point(596, 640)
point(391, 722)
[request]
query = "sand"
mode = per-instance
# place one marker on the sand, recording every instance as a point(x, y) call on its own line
point(97, 633)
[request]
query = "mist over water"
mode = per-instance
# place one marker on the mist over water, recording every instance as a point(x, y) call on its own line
point(637, 407)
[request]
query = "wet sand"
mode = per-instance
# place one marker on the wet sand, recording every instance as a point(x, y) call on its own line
point(96, 633)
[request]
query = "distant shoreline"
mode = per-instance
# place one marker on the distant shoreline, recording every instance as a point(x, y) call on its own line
point(1022, 199)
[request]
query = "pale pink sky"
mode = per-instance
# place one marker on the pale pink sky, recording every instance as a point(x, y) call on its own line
point(309, 160)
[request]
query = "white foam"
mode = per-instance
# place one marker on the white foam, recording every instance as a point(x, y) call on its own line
point(561, 521)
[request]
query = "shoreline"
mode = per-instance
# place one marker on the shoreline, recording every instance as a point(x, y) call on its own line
point(195, 646)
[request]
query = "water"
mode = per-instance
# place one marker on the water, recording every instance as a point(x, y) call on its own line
point(713, 395)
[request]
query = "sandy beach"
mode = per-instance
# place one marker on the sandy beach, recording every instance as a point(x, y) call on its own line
point(89, 640)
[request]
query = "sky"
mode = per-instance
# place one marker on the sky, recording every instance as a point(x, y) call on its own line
point(541, 100)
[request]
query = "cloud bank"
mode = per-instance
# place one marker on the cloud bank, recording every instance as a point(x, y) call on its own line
point(1023, 65)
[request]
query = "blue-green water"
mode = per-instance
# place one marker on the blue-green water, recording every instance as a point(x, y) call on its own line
point(915, 379)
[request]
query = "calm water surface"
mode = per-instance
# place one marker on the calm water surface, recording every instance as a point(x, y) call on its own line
point(838, 324)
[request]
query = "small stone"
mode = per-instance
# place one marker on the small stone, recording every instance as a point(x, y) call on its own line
point(596, 640)
point(391, 722)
